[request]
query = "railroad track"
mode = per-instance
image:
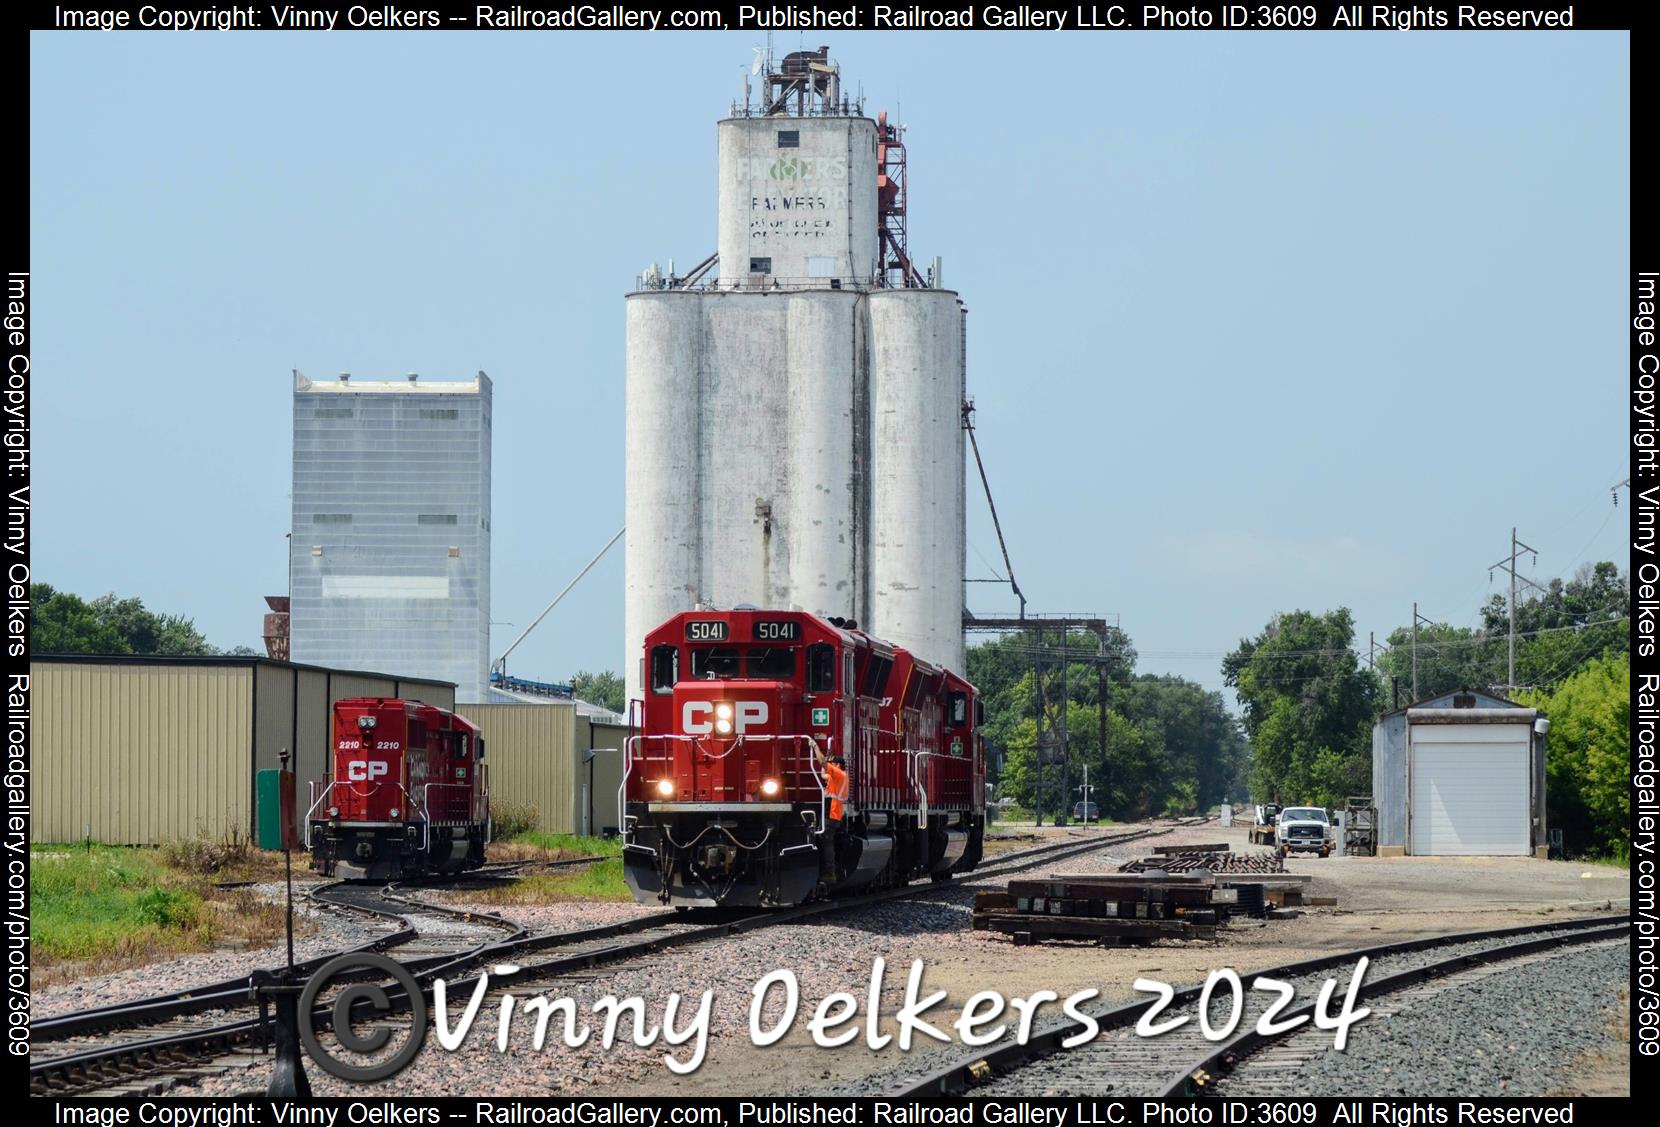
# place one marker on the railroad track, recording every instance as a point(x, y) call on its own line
point(162, 1041)
point(1119, 1063)
point(147, 1046)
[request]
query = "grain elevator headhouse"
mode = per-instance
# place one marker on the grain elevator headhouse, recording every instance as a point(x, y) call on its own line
point(794, 402)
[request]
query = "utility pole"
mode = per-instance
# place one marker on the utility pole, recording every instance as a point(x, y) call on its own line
point(1416, 618)
point(1509, 564)
point(1040, 748)
point(1066, 702)
point(1101, 707)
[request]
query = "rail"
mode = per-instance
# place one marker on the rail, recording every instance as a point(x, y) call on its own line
point(772, 283)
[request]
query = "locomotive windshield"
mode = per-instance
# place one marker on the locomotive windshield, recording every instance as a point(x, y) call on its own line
point(718, 663)
point(728, 663)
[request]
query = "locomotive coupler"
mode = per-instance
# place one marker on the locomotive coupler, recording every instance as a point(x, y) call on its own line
point(717, 860)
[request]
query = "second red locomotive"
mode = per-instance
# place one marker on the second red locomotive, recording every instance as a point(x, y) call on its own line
point(407, 793)
point(783, 756)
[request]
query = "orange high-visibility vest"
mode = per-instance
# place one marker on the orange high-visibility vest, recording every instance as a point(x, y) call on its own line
point(836, 787)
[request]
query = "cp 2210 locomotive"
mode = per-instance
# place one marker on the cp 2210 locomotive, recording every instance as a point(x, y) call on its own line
point(725, 796)
point(407, 793)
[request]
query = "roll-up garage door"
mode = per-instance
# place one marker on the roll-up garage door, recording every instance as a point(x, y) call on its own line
point(1470, 789)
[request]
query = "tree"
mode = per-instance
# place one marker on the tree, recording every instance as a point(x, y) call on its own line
point(65, 623)
point(1558, 630)
point(1449, 658)
point(1587, 753)
point(604, 689)
point(1170, 746)
point(1308, 706)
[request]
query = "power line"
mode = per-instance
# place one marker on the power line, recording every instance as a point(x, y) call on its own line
point(1027, 651)
point(1508, 565)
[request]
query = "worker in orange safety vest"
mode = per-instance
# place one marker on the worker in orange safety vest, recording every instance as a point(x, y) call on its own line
point(835, 789)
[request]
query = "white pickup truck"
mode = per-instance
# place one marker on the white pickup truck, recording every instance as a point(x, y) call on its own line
point(1304, 829)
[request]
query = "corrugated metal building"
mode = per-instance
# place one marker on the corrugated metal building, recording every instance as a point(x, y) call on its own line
point(141, 750)
point(1461, 773)
point(556, 758)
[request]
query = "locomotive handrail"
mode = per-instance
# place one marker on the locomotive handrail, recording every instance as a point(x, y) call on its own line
point(328, 790)
point(631, 748)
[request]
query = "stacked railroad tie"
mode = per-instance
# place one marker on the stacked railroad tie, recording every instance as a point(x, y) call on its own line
point(1110, 909)
point(1205, 859)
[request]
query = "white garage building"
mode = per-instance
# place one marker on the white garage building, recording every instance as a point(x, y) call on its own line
point(1463, 774)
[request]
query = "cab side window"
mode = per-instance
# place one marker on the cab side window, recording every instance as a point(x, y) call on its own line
point(665, 668)
point(958, 704)
point(821, 668)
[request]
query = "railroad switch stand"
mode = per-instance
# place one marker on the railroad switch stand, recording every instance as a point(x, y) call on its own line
point(280, 992)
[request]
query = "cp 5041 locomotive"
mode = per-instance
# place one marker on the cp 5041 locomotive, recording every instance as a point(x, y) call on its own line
point(407, 793)
point(760, 727)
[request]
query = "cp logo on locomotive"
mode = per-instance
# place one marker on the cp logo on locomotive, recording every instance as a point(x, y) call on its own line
point(365, 770)
point(746, 714)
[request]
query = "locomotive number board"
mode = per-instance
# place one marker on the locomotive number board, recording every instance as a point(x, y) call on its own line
point(705, 630)
point(776, 631)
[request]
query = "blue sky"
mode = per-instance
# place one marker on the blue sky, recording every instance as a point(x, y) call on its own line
point(1257, 321)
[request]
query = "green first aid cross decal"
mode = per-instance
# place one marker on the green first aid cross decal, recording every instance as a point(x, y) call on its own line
point(821, 717)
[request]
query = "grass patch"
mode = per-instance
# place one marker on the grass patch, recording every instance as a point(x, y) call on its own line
point(603, 880)
point(97, 908)
point(534, 845)
point(88, 903)
point(511, 819)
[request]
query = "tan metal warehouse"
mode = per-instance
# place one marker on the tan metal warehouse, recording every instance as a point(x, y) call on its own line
point(539, 754)
point(141, 750)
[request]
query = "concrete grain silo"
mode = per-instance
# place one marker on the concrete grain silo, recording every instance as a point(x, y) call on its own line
point(794, 403)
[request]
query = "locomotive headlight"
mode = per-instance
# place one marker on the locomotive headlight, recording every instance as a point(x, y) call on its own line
point(365, 722)
point(769, 787)
point(724, 727)
point(665, 787)
point(723, 710)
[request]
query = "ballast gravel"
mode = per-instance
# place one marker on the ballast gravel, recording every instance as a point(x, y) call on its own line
point(1512, 1034)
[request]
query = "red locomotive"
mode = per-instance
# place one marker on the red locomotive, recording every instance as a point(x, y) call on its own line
point(753, 721)
point(407, 793)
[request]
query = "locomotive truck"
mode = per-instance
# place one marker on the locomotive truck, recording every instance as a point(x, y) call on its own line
point(407, 793)
point(726, 796)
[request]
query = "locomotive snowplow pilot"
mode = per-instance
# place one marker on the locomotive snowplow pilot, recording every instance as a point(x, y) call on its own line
point(835, 789)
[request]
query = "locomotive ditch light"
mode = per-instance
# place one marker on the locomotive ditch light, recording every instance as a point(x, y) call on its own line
point(769, 787)
point(334, 811)
point(665, 787)
point(394, 812)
